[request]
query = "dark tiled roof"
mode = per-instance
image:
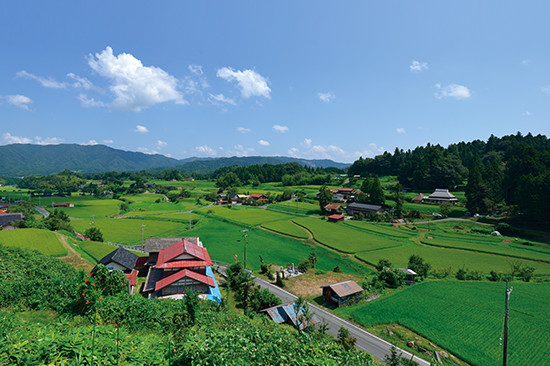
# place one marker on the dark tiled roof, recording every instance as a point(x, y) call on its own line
point(120, 256)
point(10, 218)
point(154, 275)
point(364, 207)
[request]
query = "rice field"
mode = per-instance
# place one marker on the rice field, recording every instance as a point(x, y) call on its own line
point(304, 208)
point(252, 216)
point(85, 206)
point(98, 250)
point(467, 318)
point(286, 227)
point(46, 242)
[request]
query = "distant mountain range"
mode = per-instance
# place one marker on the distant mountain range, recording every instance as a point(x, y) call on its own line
point(18, 160)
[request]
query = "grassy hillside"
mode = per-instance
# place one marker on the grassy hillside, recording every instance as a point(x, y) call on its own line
point(44, 241)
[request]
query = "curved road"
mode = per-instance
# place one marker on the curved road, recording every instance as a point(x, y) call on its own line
point(366, 341)
point(42, 211)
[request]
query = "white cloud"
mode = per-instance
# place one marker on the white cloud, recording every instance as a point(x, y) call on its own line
point(307, 142)
point(80, 82)
point(220, 98)
point(326, 97)
point(205, 150)
point(141, 129)
point(195, 69)
point(91, 142)
point(243, 129)
point(46, 82)
point(89, 102)
point(417, 66)
point(161, 144)
point(279, 128)
point(239, 150)
point(545, 89)
point(108, 141)
point(8, 138)
point(18, 100)
point(135, 86)
point(452, 90)
point(400, 130)
point(293, 151)
point(527, 113)
point(263, 143)
point(250, 82)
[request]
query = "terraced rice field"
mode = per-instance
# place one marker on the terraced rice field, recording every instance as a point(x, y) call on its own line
point(467, 318)
point(345, 238)
point(251, 216)
point(303, 208)
point(44, 241)
point(98, 250)
point(286, 227)
point(85, 207)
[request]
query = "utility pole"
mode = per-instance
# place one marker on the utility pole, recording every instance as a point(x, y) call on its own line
point(142, 226)
point(190, 218)
point(505, 349)
point(245, 231)
point(93, 217)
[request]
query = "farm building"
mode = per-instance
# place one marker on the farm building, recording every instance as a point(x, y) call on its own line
point(363, 209)
point(286, 313)
point(7, 219)
point(342, 292)
point(418, 198)
point(336, 218)
point(177, 265)
point(410, 275)
point(333, 208)
point(258, 197)
point(440, 196)
point(119, 259)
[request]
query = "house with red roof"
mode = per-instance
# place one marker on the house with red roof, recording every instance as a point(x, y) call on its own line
point(258, 197)
point(178, 265)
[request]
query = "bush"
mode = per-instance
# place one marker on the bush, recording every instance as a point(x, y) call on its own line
point(442, 272)
point(417, 264)
point(94, 234)
point(494, 276)
point(336, 269)
point(461, 274)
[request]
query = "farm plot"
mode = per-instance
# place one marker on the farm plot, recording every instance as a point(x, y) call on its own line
point(303, 208)
point(346, 238)
point(383, 229)
point(128, 231)
point(287, 227)
point(467, 318)
point(45, 241)
point(252, 216)
point(225, 240)
point(445, 258)
point(85, 207)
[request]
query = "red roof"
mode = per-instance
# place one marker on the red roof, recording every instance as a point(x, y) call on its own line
point(332, 206)
point(336, 217)
point(256, 195)
point(140, 262)
point(346, 190)
point(262, 199)
point(181, 274)
point(132, 277)
point(183, 246)
point(183, 264)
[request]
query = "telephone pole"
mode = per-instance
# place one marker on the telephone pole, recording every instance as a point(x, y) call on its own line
point(505, 341)
point(93, 218)
point(142, 226)
point(245, 231)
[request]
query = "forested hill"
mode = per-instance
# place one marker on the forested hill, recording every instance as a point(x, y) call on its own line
point(18, 160)
point(511, 170)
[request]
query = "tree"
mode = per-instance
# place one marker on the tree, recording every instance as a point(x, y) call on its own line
point(377, 196)
point(312, 259)
point(398, 198)
point(345, 338)
point(325, 197)
point(445, 208)
point(383, 264)
point(304, 316)
point(417, 264)
point(93, 233)
point(229, 179)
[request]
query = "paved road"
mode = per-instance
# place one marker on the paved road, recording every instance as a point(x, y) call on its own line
point(366, 341)
point(42, 211)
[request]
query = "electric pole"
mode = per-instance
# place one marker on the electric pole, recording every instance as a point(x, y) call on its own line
point(505, 342)
point(142, 226)
point(93, 217)
point(190, 218)
point(245, 231)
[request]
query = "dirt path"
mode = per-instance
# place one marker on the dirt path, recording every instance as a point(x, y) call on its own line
point(73, 258)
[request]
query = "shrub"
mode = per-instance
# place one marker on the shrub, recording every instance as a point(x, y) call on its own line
point(461, 274)
point(94, 234)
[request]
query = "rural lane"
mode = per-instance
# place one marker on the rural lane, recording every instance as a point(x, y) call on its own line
point(42, 211)
point(366, 341)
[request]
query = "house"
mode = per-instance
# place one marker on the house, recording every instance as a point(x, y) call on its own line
point(363, 209)
point(336, 218)
point(67, 204)
point(178, 265)
point(7, 219)
point(333, 208)
point(258, 197)
point(120, 259)
point(286, 313)
point(441, 195)
point(418, 198)
point(410, 275)
point(342, 292)
point(346, 192)
point(188, 179)
point(338, 197)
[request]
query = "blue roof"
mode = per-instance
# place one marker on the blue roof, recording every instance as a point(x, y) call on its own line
point(213, 293)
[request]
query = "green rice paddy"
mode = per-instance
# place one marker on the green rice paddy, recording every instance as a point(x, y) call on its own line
point(46, 242)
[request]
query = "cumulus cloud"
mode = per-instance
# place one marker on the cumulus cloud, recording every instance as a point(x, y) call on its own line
point(326, 97)
point(195, 69)
point(80, 82)
point(250, 82)
point(239, 150)
point(263, 143)
point(141, 129)
point(220, 99)
point(243, 129)
point(48, 140)
point(417, 66)
point(279, 128)
point(161, 144)
point(205, 150)
point(135, 86)
point(91, 142)
point(400, 130)
point(452, 90)
point(293, 151)
point(89, 102)
point(307, 142)
point(18, 100)
point(8, 138)
point(46, 82)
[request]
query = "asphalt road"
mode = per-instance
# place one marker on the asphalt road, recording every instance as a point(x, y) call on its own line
point(366, 341)
point(42, 211)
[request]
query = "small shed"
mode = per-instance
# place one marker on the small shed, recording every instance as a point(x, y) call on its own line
point(336, 218)
point(410, 275)
point(286, 313)
point(342, 292)
point(119, 259)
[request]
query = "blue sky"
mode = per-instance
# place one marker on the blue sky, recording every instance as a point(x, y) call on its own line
point(313, 79)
